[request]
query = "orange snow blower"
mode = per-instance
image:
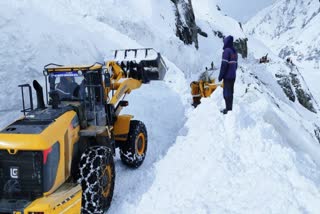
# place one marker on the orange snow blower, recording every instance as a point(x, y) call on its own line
point(206, 85)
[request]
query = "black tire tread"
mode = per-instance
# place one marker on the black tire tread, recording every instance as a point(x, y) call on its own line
point(128, 153)
point(92, 163)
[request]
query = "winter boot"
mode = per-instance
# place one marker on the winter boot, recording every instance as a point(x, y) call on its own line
point(224, 111)
point(229, 103)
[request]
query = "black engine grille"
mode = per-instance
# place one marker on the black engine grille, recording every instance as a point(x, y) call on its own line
point(21, 175)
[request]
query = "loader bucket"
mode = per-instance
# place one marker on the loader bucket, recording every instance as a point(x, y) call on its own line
point(145, 63)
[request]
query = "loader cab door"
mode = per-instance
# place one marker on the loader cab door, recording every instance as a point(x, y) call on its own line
point(94, 98)
point(93, 85)
point(83, 88)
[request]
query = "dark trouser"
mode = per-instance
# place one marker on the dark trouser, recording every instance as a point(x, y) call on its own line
point(228, 93)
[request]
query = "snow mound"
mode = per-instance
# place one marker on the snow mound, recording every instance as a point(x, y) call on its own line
point(235, 163)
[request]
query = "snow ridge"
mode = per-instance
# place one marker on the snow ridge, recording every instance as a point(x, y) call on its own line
point(243, 162)
point(290, 27)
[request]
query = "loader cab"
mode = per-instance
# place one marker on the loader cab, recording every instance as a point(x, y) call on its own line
point(73, 84)
point(78, 86)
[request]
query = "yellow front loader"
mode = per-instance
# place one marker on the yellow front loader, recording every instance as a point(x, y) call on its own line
point(58, 158)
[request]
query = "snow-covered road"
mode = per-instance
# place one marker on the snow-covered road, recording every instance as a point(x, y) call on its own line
point(161, 109)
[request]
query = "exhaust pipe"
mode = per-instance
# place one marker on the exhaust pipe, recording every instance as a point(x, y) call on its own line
point(40, 100)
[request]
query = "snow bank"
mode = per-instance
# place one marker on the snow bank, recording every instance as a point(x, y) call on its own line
point(238, 163)
point(162, 111)
point(34, 34)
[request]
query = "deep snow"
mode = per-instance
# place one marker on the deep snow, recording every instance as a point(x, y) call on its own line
point(237, 163)
point(261, 158)
point(163, 114)
point(257, 159)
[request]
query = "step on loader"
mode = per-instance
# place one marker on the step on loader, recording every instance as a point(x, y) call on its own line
point(58, 158)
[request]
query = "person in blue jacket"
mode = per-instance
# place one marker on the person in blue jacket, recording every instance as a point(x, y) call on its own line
point(228, 70)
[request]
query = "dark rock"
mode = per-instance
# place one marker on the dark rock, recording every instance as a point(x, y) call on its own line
point(241, 45)
point(218, 34)
point(317, 132)
point(292, 85)
point(240, 24)
point(187, 29)
point(284, 82)
point(202, 33)
point(303, 97)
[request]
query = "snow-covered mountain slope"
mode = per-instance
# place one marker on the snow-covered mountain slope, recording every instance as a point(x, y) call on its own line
point(288, 76)
point(263, 156)
point(155, 25)
point(291, 29)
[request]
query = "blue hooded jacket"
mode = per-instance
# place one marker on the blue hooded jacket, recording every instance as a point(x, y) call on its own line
point(229, 63)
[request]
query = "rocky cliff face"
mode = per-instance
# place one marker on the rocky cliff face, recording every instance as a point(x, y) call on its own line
point(187, 29)
point(295, 87)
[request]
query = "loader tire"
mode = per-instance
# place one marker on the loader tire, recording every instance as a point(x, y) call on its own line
point(97, 177)
point(133, 151)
